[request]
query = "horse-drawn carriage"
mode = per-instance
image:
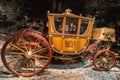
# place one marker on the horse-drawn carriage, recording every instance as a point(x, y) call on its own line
point(28, 53)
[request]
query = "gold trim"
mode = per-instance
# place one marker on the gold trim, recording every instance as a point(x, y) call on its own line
point(51, 35)
point(76, 51)
point(61, 51)
point(52, 45)
point(63, 36)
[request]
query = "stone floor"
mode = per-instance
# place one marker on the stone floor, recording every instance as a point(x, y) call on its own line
point(68, 72)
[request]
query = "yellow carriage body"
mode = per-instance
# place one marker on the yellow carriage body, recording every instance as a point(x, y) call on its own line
point(69, 33)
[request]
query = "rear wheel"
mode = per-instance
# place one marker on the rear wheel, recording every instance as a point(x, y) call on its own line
point(26, 54)
point(104, 60)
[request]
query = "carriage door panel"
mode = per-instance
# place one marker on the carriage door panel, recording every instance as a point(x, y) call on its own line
point(69, 44)
point(82, 44)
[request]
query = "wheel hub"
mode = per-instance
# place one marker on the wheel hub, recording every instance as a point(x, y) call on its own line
point(104, 60)
point(29, 54)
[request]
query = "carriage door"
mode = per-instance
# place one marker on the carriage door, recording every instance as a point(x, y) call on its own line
point(70, 37)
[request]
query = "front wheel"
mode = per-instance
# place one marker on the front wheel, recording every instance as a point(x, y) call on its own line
point(104, 60)
point(26, 54)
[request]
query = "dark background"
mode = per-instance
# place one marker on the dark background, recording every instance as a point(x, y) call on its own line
point(13, 12)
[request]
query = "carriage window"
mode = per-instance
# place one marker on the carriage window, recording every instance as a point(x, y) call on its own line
point(83, 26)
point(58, 23)
point(71, 25)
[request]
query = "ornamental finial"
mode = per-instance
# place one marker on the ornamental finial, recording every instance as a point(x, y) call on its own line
point(68, 10)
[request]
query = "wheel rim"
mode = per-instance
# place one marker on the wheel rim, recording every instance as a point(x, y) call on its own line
point(104, 60)
point(26, 54)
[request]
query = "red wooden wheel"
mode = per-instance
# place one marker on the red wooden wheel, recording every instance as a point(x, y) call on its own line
point(26, 54)
point(104, 60)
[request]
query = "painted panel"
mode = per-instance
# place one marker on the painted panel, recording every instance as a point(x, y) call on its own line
point(69, 44)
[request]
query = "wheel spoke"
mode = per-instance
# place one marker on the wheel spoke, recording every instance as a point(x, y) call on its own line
point(37, 41)
point(110, 58)
point(33, 65)
point(30, 42)
point(26, 67)
point(107, 56)
point(40, 56)
point(22, 40)
point(19, 64)
point(40, 50)
point(41, 63)
point(26, 48)
point(98, 62)
point(100, 65)
point(38, 62)
point(17, 48)
point(104, 66)
point(13, 60)
point(14, 53)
